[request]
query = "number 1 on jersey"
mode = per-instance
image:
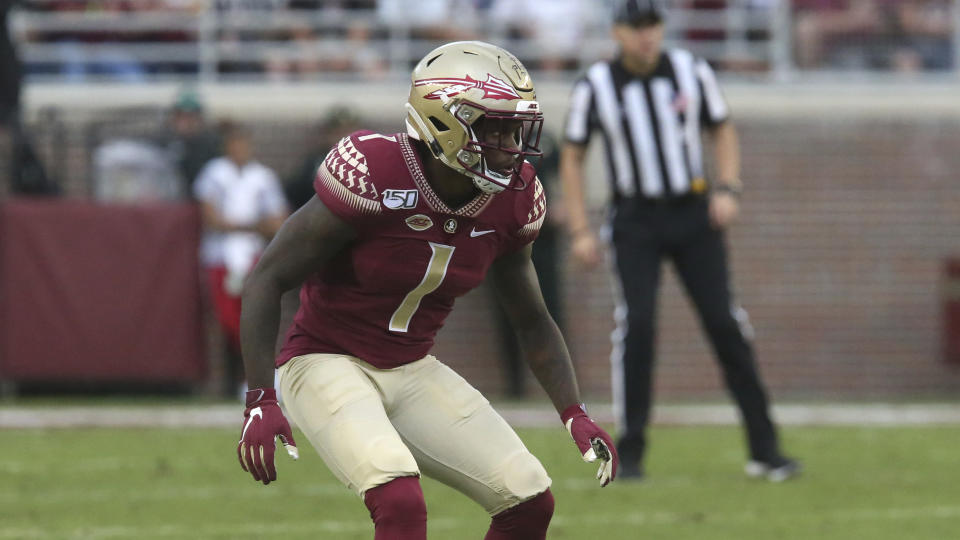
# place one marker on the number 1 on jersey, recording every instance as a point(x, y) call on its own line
point(432, 278)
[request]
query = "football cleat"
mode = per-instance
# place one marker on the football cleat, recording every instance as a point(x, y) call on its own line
point(777, 469)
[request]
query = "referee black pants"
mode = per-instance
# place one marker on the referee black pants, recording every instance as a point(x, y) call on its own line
point(644, 233)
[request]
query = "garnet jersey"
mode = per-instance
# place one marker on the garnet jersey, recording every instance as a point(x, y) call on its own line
point(384, 297)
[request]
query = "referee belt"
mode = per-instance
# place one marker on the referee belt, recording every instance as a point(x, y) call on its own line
point(662, 202)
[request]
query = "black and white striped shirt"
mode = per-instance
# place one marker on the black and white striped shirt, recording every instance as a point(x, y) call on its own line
point(651, 125)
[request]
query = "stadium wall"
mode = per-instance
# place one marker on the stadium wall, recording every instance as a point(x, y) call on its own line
point(852, 206)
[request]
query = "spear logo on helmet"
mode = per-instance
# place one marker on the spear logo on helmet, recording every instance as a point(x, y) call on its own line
point(493, 88)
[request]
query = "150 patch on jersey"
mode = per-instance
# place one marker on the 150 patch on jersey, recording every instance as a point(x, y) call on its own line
point(396, 199)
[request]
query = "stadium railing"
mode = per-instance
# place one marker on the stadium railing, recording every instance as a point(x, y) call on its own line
point(202, 42)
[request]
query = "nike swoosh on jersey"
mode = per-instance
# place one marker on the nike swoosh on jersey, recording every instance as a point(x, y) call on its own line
point(475, 233)
point(256, 412)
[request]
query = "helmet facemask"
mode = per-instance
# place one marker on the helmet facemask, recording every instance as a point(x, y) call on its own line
point(499, 142)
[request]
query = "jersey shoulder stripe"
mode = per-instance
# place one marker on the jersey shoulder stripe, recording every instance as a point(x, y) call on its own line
point(345, 175)
point(537, 212)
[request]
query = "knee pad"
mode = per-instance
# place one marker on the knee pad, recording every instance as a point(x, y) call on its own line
point(524, 476)
point(388, 457)
point(526, 521)
point(397, 508)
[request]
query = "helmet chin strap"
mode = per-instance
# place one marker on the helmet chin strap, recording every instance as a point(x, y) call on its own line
point(488, 186)
point(483, 184)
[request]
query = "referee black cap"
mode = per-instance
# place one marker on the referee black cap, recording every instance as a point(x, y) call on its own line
point(639, 12)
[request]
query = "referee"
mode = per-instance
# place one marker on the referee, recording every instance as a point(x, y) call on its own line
point(651, 105)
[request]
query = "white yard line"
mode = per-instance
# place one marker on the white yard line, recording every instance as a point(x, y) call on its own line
point(261, 528)
point(519, 415)
point(747, 516)
point(611, 522)
point(87, 495)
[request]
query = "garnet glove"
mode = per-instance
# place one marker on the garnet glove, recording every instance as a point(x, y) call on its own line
point(263, 422)
point(593, 442)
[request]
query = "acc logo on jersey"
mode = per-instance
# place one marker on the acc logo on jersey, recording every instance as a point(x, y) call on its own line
point(400, 198)
point(493, 88)
point(419, 222)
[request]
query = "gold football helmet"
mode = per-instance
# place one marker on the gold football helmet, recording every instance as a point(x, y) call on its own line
point(468, 98)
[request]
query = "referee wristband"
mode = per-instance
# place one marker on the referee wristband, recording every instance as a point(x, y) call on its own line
point(733, 189)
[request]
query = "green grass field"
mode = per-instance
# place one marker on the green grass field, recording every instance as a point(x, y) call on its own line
point(860, 483)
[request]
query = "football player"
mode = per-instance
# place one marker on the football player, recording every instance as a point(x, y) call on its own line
point(400, 226)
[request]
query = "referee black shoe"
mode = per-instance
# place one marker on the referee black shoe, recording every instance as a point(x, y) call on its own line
point(777, 469)
point(630, 471)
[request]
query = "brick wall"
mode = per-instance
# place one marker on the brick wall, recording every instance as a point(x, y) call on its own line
point(838, 258)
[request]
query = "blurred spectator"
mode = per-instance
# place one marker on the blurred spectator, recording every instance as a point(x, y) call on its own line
point(9, 70)
point(901, 35)
point(841, 34)
point(236, 30)
point(300, 57)
point(731, 26)
point(433, 21)
point(554, 27)
point(109, 58)
point(129, 170)
point(927, 31)
point(835, 33)
point(316, 48)
point(180, 29)
point(363, 57)
point(24, 172)
point(243, 206)
point(336, 124)
point(709, 32)
point(190, 142)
